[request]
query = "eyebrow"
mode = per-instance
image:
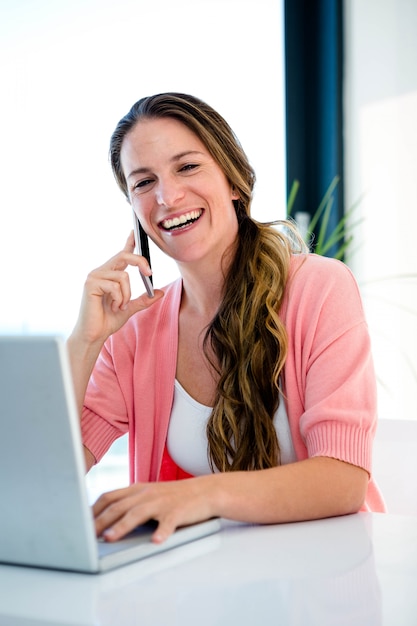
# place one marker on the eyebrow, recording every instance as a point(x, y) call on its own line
point(176, 157)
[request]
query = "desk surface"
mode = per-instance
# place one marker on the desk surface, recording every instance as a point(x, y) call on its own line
point(354, 570)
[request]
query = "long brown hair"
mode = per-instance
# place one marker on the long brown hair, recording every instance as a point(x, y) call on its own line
point(246, 336)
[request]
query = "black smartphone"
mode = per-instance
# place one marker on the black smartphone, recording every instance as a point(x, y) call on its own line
point(142, 248)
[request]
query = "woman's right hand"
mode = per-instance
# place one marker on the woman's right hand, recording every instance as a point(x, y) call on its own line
point(106, 305)
point(107, 301)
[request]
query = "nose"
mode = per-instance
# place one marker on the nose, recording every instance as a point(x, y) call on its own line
point(169, 191)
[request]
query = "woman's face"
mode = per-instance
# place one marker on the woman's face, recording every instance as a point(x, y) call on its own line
point(178, 191)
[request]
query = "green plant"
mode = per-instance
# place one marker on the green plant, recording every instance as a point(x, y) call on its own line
point(340, 238)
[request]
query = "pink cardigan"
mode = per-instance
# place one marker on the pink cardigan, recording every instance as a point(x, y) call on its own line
point(328, 379)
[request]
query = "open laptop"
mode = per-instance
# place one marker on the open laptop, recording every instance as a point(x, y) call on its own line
point(46, 520)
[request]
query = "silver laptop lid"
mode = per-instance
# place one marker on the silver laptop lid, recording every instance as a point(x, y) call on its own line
point(46, 520)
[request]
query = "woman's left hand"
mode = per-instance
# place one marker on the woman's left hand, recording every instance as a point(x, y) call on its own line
point(172, 504)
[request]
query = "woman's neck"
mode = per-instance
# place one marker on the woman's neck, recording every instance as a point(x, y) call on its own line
point(203, 285)
point(202, 293)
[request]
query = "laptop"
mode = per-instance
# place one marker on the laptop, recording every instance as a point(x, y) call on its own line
point(46, 520)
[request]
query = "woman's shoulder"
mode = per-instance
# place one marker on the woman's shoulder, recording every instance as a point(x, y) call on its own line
point(315, 280)
point(313, 270)
point(315, 263)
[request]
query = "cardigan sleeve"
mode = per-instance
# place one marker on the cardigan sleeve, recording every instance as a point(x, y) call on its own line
point(131, 388)
point(329, 375)
point(105, 415)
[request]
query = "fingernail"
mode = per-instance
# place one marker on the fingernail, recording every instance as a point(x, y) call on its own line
point(109, 533)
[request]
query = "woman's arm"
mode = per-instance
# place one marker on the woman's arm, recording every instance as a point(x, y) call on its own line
point(82, 359)
point(105, 307)
point(310, 489)
point(314, 488)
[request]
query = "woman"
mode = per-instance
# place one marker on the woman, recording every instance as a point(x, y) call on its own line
point(251, 376)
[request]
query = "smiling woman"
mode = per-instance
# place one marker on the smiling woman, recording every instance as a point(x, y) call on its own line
point(173, 192)
point(57, 110)
point(261, 345)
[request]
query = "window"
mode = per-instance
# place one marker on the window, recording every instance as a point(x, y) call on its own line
point(381, 161)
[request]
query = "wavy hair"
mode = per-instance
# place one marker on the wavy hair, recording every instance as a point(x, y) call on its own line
point(246, 336)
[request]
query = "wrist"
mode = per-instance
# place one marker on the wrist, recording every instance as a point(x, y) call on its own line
point(82, 348)
point(213, 487)
point(82, 356)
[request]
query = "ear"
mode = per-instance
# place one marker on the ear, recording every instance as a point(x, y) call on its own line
point(235, 195)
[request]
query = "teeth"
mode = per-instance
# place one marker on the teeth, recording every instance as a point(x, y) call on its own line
point(179, 221)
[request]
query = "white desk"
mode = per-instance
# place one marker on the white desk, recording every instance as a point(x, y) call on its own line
point(359, 570)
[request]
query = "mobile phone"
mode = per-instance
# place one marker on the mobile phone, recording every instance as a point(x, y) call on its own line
point(142, 248)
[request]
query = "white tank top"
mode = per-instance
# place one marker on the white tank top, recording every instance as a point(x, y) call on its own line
point(187, 439)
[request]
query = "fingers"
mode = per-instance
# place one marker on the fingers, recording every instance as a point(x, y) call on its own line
point(164, 530)
point(121, 260)
point(108, 286)
point(130, 243)
point(113, 285)
point(138, 260)
point(117, 513)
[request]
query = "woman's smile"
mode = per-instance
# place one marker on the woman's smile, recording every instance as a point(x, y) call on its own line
point(181, 222)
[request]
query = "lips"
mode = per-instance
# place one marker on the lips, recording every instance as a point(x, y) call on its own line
point(181, 221)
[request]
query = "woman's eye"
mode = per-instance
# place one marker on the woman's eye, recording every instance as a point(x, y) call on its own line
point(188, 167)
point(142, 183)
